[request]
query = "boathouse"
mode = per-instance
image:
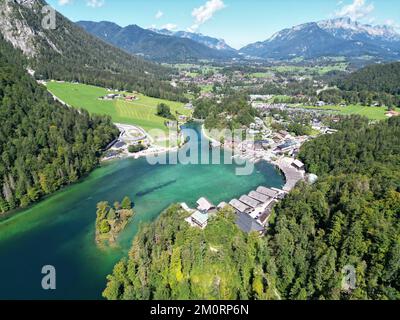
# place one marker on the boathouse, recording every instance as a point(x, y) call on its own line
point(240, 206)
point(268, 192)
point(259, 197)
point(249, 201)
point(204, 205)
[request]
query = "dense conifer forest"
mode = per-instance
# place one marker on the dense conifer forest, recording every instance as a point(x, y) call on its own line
point(43, 145)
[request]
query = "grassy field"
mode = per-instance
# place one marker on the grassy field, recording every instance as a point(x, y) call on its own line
point(320, 70)
point(141, 112)
point(261, 75)
point(373, 113)
point(206, 88)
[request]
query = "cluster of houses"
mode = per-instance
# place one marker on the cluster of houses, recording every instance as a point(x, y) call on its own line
point(252, 210)
point(114, 96)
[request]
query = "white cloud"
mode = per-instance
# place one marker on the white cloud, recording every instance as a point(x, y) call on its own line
point(64, 2)
point(393, 24)
point(359, 9)
point(159, 14)
point(95, 3)
point(206, 12)
point(170, 26)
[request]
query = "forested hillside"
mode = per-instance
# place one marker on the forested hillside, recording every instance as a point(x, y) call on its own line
point(171, 260)
point(348, 220)
point(43, 145)
point(377, 78)
point(69, 53)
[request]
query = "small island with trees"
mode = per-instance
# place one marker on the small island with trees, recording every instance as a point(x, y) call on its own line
point(111, 220)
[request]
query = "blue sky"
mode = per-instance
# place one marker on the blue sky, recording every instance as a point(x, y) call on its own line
point(239, 22)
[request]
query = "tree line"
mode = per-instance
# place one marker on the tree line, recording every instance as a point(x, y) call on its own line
point(232, 112)
point(43, 145)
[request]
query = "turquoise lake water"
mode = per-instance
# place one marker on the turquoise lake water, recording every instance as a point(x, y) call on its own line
point(59, 231)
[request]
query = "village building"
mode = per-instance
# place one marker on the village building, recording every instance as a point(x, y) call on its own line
point(298, 165)
point(200, 219)
point(252, 203)
point(204, 205)
point(259, 197)
point(131, 98)
point(287, 146)
point(248, 224)
point(240, 206)
point(263, 219)
point(284, 134)
point(268, 192)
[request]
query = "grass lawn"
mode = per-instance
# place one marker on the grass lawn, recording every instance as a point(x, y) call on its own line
point(373, 113)
point(261, 75)
point(320, 70)
point(206, 88)
point(141, 112)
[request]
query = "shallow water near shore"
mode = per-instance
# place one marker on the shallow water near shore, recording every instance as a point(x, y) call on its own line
point(59, 231)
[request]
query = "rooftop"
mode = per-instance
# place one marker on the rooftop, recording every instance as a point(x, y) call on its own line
point(204, 204)
point(201, 218)
point(248, 224)
point(239, 206)
point(298, 163)
point(259, 196)
point(249, 201)
point(268, 192)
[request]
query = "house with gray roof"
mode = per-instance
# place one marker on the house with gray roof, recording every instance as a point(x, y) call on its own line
point(200, 219)
point(204, 205)
point(249, 201)
point(259, 197)
point(239, 206)
point(268, 192)
point(248, 224)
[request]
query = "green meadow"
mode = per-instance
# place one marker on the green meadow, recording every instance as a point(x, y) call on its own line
point(302, 70)
point(261, 75)
point(373, 113)
point(141, 112)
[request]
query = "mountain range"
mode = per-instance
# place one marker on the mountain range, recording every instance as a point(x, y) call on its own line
point(213, 43)
point(335, 37)
point(332, 38)
point(69, 53)
point(160, 45)
point(105, 53)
